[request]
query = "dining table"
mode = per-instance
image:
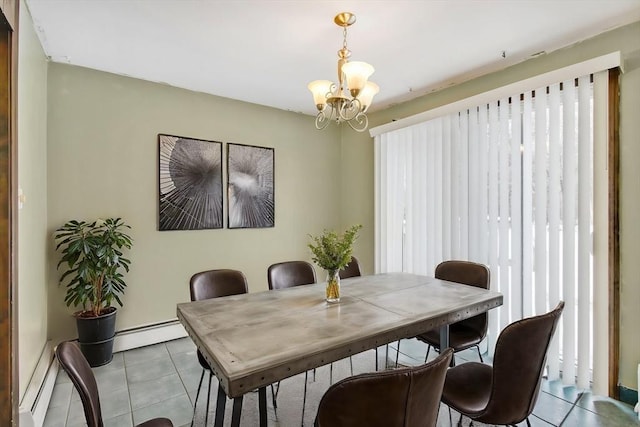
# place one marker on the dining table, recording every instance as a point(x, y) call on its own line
point(253, 340)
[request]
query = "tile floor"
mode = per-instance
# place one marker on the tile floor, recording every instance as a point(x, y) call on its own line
point(161, 380)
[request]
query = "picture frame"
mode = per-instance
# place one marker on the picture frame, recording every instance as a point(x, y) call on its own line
point(250, 186)
point(189, 183)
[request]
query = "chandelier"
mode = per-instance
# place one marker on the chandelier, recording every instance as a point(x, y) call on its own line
point(349, 100)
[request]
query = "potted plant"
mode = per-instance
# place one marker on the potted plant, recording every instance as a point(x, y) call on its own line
point(93, 264)
point(332, 252)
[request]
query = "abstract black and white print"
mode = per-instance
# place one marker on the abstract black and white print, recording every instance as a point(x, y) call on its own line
point(250, 181)
point(190, 183)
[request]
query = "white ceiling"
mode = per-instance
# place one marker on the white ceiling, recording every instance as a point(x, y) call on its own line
point(266, 51)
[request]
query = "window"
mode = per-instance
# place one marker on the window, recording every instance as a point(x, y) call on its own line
point(466, 185)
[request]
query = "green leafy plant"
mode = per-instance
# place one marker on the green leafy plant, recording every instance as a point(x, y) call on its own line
point(332, 251)
point(92, 255)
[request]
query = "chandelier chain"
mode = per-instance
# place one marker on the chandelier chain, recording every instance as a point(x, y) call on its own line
point(344, 38)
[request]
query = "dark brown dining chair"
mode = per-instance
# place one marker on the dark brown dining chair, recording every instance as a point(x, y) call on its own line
point(213, 284)
point(469, 332)
point(505, 393)
point(76, 366)
point(396, 398)
point(289, 274)
point(351, 270)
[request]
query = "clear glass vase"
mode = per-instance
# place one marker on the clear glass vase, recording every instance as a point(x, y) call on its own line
point(333, 285)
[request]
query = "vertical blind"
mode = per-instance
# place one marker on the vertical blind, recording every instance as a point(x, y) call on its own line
point(507, 184)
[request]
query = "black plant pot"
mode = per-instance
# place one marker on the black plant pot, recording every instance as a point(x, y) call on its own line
point(95, 335)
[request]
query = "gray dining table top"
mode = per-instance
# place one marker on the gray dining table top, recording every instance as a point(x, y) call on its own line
point(253, 340)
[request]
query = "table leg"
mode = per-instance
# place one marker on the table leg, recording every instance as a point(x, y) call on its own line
point(444, 341)
point(237, 410)
point(220, 404)
point(262, 405)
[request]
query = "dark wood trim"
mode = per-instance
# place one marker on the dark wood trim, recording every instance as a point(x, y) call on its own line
point(614, 232)
point(9, 391)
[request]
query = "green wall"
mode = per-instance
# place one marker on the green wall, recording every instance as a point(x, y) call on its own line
point(357, 164)
point(102, 161)
point(32, 218)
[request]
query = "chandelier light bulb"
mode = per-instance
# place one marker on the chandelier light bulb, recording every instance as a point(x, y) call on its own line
point(357, 73)
point(320, 89)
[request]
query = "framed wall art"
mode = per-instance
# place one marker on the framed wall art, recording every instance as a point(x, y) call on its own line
point(190, 183)
point(250, 185)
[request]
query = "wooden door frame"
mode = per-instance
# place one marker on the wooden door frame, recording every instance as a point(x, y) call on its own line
point(9, 391)
point(614, 231)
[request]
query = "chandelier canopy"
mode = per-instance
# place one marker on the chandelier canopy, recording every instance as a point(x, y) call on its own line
point(348, 100)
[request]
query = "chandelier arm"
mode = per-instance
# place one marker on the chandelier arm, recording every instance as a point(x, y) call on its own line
point(359, 123)
point(322, 120)
point(350, 109)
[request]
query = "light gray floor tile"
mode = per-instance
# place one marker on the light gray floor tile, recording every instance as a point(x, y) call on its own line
point(612, 409)
point(61, 395)
point(145, 354)
point(186, 360)
point(116, 363)
point(62, 377)
point(56, 416)
point(154, 391)
point(76, 423)
point(111, 380)
point(153, 369)
point(119, 421)
point(180, 345)
point(177, 409)
point(76, 413)
point(556, 388)
point(468, 355)
point(551, 409)
point(191, 378)
point(580, 417)
point(115, 402)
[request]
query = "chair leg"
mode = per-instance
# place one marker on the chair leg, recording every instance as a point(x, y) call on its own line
point(479, 354)
point(304, 397)
point(376, 358)
point(274, 395)
point(195, 403)
point(528, 423)
point(331, 374)
point(351, 365)
point(397, 352)
point(460, 421)
point(427, 355)
point(206, 414)
point(386, 356)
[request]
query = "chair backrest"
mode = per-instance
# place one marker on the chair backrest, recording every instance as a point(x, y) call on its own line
point(290, 273)
point(518, 365)
point(351, 270)
point(81, 375)
point(396, 398)
point(217, 283)
point(472, 274)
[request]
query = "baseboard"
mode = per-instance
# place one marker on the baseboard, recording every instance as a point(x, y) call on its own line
point(147, 335)
point(35, 402)
point(628, 395)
